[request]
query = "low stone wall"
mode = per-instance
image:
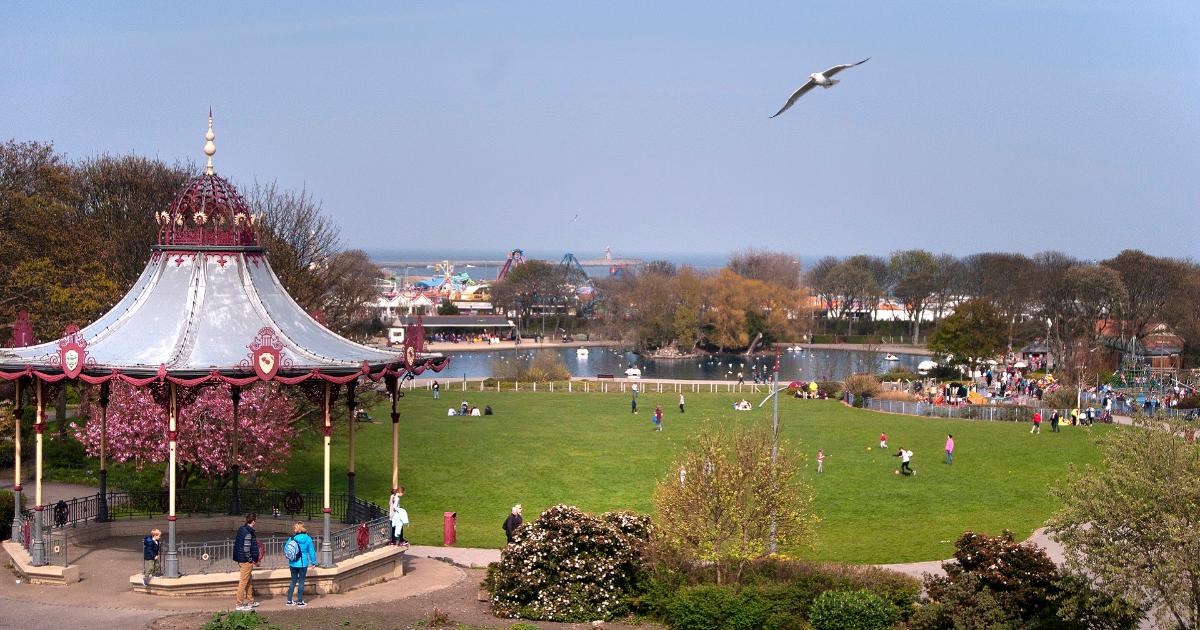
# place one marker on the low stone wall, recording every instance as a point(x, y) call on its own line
point(54, 575)
point(373, 567)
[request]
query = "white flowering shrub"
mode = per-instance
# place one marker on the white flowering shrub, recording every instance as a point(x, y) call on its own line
point(570, 566)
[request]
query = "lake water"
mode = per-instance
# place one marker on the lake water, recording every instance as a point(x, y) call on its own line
point(805, 365)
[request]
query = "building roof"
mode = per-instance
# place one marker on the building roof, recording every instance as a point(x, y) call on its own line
point(458, 321)
point(208, 306)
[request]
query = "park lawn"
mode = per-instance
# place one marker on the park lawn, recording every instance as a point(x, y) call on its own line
point(588, 450)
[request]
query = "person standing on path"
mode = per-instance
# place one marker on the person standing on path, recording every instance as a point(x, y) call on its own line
point(658, 418)
point(741, 379)
point(681, 402)
point(299, 566)
point(1037, 423)
point(245, 553)
point(398, 516)
point(820, 461)
point(150, 547)
point(437, 389)
point(949, 449)
point(513, 521)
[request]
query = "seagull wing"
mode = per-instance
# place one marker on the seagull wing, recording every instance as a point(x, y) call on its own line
point(836, 69)
point(796, 95)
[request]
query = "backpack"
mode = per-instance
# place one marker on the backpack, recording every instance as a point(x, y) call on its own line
point(291, 550)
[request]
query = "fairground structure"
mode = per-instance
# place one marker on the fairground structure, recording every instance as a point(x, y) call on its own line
point(207, 310)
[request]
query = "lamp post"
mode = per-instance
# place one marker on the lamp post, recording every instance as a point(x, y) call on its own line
point(772, 546)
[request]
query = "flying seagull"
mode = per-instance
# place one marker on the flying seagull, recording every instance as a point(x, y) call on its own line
point(823, 79)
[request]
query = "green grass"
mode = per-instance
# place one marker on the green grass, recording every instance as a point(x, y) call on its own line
point(588, 450)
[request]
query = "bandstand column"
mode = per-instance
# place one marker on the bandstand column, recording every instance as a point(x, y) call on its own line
point(235, 502)
point(102, 508)
point(393, 389)
point(326, 559)
point(18, 414)
point(37, 550)
point(171, 558)
point(350, 494)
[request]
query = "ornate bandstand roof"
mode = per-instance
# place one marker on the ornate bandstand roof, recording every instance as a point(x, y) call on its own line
point(208, 307)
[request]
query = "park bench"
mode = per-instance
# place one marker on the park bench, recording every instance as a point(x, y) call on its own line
point(605, 376)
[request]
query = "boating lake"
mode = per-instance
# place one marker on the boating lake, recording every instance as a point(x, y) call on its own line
point(802, 365)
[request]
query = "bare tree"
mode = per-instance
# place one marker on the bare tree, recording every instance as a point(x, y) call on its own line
point(914, 273)
point(772, 267)
point(299, 237)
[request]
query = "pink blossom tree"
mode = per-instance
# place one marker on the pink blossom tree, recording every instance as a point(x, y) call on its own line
point(137, 431)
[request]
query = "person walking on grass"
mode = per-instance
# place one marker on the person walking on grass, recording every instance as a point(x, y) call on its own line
point(820, 461)
point(1054, 418)
point(305, 556)
point(513, 521)
point(905, 462)
point(150, 564)
point(437, 389)
point(658, 418)
point(1037, 423)
point(949, 449)
point(883, 440)
point(681, 402)
point(245, 554)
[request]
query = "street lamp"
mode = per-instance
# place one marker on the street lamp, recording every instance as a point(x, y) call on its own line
point(774, 440)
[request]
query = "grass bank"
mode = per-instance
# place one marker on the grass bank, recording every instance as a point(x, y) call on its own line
point(589, 450)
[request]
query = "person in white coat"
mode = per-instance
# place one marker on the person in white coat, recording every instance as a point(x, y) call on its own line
point(398, 516)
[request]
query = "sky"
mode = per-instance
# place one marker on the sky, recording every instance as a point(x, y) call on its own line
point(571, 126)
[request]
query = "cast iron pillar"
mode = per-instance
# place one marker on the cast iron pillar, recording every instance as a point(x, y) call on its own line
point(235, 501)
point(18, 415)
point(102, 508)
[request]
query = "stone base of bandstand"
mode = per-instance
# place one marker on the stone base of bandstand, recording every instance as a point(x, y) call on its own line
point(372, 567)
point(22, 565)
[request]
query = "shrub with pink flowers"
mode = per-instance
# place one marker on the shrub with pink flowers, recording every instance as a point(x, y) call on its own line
point(568, 565)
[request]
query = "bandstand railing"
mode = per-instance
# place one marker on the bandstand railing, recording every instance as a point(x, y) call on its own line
point(216, 556)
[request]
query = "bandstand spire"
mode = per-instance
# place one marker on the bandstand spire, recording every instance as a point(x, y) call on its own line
point(209, 147)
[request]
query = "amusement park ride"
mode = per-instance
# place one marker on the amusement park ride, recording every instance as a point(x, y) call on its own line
point(460, 288)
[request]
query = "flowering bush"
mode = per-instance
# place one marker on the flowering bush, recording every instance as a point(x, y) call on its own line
point(570, 566)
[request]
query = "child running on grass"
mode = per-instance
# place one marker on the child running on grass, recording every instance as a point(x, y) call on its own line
point(820, 461)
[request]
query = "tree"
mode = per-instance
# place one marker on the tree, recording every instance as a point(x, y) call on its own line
point(771, 267)
point(854, 286)
point(914, 275)
point(972, 334)
point(1132, 521)
point(1008, 281)
point(1076, 303)
point(137, 431)
point(996, 582)
point(535, 284)
point(300, 239)
point(1150, 284)
point(689, 310)
point(347, 281)
point(718, 503)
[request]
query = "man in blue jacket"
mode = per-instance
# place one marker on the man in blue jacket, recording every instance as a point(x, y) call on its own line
point(245, 553)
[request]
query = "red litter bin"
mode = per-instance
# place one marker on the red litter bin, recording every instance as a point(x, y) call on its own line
point(449, 528)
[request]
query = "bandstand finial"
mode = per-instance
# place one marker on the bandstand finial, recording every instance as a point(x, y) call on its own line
point(209, 147)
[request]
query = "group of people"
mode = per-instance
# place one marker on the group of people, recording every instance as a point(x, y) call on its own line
point(904, 454)
point(298, 550)
point(810, 390)
point(467, 409)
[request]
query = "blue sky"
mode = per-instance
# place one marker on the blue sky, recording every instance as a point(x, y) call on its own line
point(974, 127)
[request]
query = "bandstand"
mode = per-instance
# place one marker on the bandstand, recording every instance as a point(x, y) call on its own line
point(206, 311)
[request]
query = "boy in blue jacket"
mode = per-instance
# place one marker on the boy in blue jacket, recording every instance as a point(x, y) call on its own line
point(150, 556)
